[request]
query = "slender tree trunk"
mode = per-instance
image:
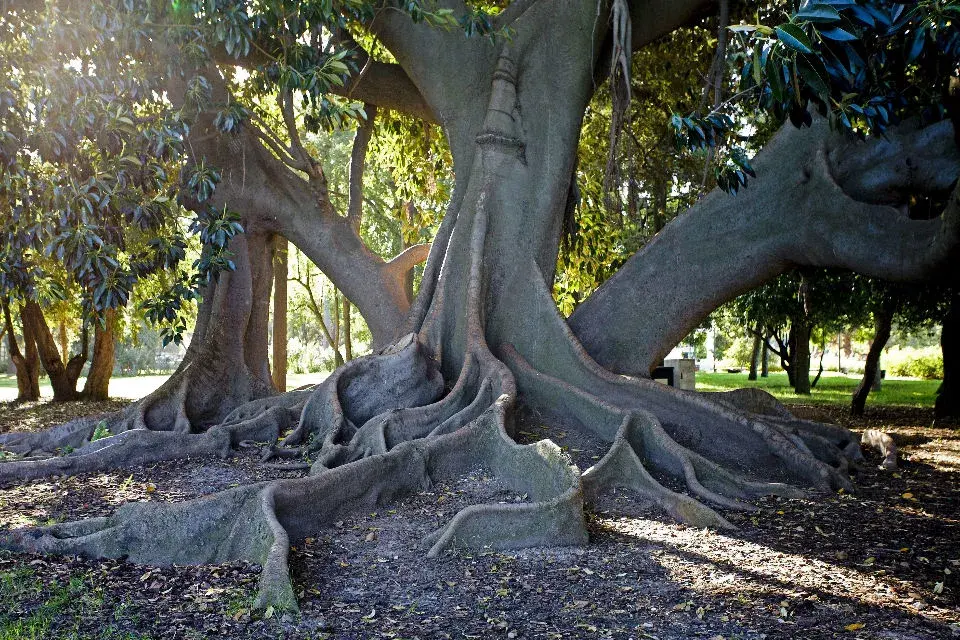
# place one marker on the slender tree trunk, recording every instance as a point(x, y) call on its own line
point(816, 379)
point(63, 377)
point(800, 362)
point(347, 339)
point(948, 395)
point(97, 385)
point(26, 363)
point(754, 357)
point(64, 344)
point(280, 267)
point(883, 323)
point(764, 360)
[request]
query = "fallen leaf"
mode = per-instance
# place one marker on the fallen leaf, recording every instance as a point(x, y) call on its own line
point(855, 626)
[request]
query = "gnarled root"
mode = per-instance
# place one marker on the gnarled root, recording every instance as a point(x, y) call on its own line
point(256, 523)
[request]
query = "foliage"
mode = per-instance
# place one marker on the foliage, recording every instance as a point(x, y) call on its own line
point(925, 367)
point(92, 164)
point(864, 65)
point(652, 183)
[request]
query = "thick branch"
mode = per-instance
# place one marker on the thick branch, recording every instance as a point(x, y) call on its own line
point(358, 158)
point(800, 211)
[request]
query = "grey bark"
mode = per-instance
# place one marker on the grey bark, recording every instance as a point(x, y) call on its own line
point(27, 362)
point(835, 197)
point(280, 262)
point(754, 358)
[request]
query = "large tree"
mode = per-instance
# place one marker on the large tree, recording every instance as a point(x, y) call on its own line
point(483, 337)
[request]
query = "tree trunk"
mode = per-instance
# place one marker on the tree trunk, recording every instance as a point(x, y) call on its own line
point(280, 262)
point(800, 360)
point(765, 361)
point(225, 366)
point(947, 405)
point(347, 338)
point(26, 363)
point(63, 377)
point(883, 324)
point(64, 343)
point(754, 357)
point(97, 385)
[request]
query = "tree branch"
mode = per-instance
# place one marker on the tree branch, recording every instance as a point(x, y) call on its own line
point(726, 245)
point(358, 158)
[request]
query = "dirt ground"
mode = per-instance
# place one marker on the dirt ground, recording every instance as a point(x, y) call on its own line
point(882, 563)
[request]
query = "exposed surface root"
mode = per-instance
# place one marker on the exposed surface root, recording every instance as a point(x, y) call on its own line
point(256, 522)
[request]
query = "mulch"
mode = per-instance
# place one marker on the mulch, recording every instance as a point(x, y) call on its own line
point(881, 563)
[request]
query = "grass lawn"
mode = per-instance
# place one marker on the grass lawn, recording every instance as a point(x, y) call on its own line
point(833, 388)
point(134, 387)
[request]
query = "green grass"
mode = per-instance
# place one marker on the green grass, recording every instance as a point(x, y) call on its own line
point(51, 613)
point(833, 388)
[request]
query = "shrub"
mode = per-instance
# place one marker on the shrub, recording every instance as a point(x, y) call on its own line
point(926, 367)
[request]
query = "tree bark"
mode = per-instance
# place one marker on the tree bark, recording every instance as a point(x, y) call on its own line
point(63, 377)
point(800, 330)
point(765, 360)
point(26, 363)
point(883, 324)
point(832, 192)
point(280, 267)
point(754, 358)
point(97, 385)
point(947, 405)
point(347, 338)
point(64, 343)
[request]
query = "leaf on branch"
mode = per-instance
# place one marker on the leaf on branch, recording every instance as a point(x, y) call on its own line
point(794, 37)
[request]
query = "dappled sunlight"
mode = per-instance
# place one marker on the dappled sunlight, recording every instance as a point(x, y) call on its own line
point(714, 564)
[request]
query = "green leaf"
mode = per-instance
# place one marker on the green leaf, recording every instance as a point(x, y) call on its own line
point(793, 36)
point(775, 78)
point(818, 13)
point(814, 74)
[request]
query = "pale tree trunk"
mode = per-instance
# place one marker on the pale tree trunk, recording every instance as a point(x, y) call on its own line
point(347, 338)
point(64, 343)
point(883, 324)
point(280, 261)
point(27, 362)
point(97, 385)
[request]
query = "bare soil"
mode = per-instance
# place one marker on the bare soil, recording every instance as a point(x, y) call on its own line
point(882, 563)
